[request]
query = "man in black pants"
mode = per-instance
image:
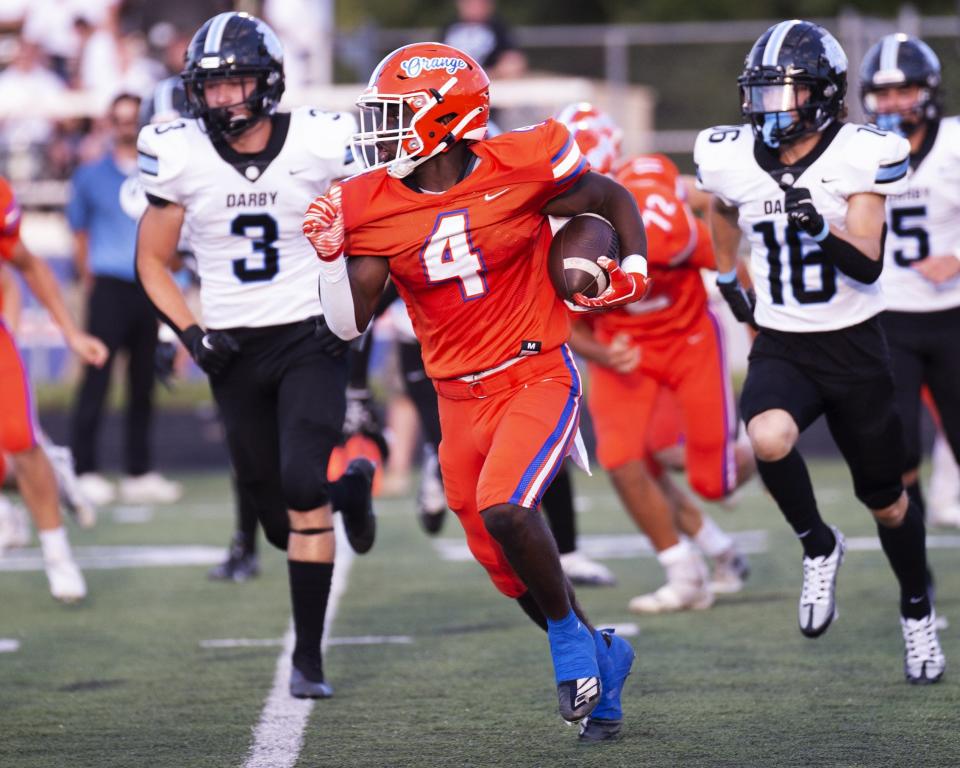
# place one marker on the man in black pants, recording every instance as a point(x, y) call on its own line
point(237, 177)
point(118, 312)
point(808, 190)
point(900, 89)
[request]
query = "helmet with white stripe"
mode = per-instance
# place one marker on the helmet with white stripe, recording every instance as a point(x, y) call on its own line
point(894, 62)
point(420, 101)
point(793, 83)
point(232, 46)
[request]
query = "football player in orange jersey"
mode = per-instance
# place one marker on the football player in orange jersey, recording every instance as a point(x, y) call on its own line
point(460, 225)
point(677, 346)
point(18, 434)
point(661, 360)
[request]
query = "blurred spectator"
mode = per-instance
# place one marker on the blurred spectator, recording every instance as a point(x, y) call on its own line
point(478, 31)
point(12, 13)
point(299, 24)
point(51, 24)
point(26, 86)
point(115, 62)
point(118, 312)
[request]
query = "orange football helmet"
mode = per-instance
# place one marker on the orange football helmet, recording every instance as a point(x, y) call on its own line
point(596, 134)
point(421, 99)
point(651, 169)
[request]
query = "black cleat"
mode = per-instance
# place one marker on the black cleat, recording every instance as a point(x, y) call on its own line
point(358, 519)
point(241, 565)
point(302, 688)
point(598, 729)
point(578, 698)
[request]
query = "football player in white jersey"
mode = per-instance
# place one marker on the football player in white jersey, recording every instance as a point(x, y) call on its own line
point(236, 176)
point(900, 89)
point(808, 191)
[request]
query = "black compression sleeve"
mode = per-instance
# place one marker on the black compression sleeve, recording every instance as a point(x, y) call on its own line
point(851, 260)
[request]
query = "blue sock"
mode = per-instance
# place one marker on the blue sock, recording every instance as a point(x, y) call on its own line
point(572, 648)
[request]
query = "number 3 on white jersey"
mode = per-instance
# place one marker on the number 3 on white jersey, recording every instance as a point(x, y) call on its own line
point(448, 254)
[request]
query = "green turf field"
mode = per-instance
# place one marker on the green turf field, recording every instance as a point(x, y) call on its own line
point(123, 680)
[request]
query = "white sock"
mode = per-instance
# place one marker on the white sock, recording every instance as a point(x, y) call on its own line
point(55, 545)
point(712, 539)
point(678, 553)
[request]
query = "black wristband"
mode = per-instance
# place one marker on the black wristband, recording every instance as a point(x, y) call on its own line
point(851, 260)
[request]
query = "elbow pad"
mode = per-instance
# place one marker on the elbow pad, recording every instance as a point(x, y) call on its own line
point(336, 297)
point(850, 260)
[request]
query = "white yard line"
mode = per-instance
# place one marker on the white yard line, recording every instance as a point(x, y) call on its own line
point(276, 642)
point(278, 737)
point(107, 558)
point(9, 645)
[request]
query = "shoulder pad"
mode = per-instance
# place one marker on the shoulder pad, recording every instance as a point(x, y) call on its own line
point(547, 148)
point(163, 153)
point(720, 154)
point(950, 127)
point(717, 146)
point(328, 133)
point(877, 161)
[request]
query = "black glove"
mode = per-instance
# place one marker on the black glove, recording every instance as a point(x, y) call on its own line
point(801, 212)
point(212, 350)
point(329, 342)
point(741, 301)
point(361, 418)
point(163, 360)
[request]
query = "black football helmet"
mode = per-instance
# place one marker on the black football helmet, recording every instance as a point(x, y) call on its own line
point(167, 102)
point(793, 83)
point(899, 60)
point(233, 45)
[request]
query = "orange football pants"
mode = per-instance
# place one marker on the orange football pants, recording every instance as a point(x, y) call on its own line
point(16, 407)
point(691, 366)
point(504, 439)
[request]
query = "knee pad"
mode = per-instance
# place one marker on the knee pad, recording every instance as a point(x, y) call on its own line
point(880, 499)
point(709, 485)
point(305, 487)
point(280, 538)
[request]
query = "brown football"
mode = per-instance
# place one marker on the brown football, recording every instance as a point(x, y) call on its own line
point(572, 261)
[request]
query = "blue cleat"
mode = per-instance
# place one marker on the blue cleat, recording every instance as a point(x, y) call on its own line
point(575, 667)
point(615, 658)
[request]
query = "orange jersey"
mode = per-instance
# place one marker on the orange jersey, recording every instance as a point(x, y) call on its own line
point(471, 263)
point(678, 246)
point(9, 224)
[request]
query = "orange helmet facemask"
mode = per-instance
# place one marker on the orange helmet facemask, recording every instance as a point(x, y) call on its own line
point(421, 99)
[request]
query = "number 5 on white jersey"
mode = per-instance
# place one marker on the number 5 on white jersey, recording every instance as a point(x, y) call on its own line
point(448, 254)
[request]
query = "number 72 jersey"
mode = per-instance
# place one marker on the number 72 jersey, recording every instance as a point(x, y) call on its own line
point(797, 289)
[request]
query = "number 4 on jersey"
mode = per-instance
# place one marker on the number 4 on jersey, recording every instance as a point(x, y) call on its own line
point(448, 254)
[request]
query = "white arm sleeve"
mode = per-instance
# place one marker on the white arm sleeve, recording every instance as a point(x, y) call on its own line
point(336, 297)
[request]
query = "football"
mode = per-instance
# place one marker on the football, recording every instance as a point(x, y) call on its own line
point(572, 261)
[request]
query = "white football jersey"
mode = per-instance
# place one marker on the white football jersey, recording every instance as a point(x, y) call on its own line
point(922, 221)
point(244, 213)
point(796, 289)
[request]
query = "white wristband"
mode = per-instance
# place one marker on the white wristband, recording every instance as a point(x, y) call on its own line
point(636, 263)
point(956, 253)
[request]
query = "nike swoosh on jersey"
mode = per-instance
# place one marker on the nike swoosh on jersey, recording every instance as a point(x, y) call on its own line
point(488, 197)
point(295, 171)
point(828, 181)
